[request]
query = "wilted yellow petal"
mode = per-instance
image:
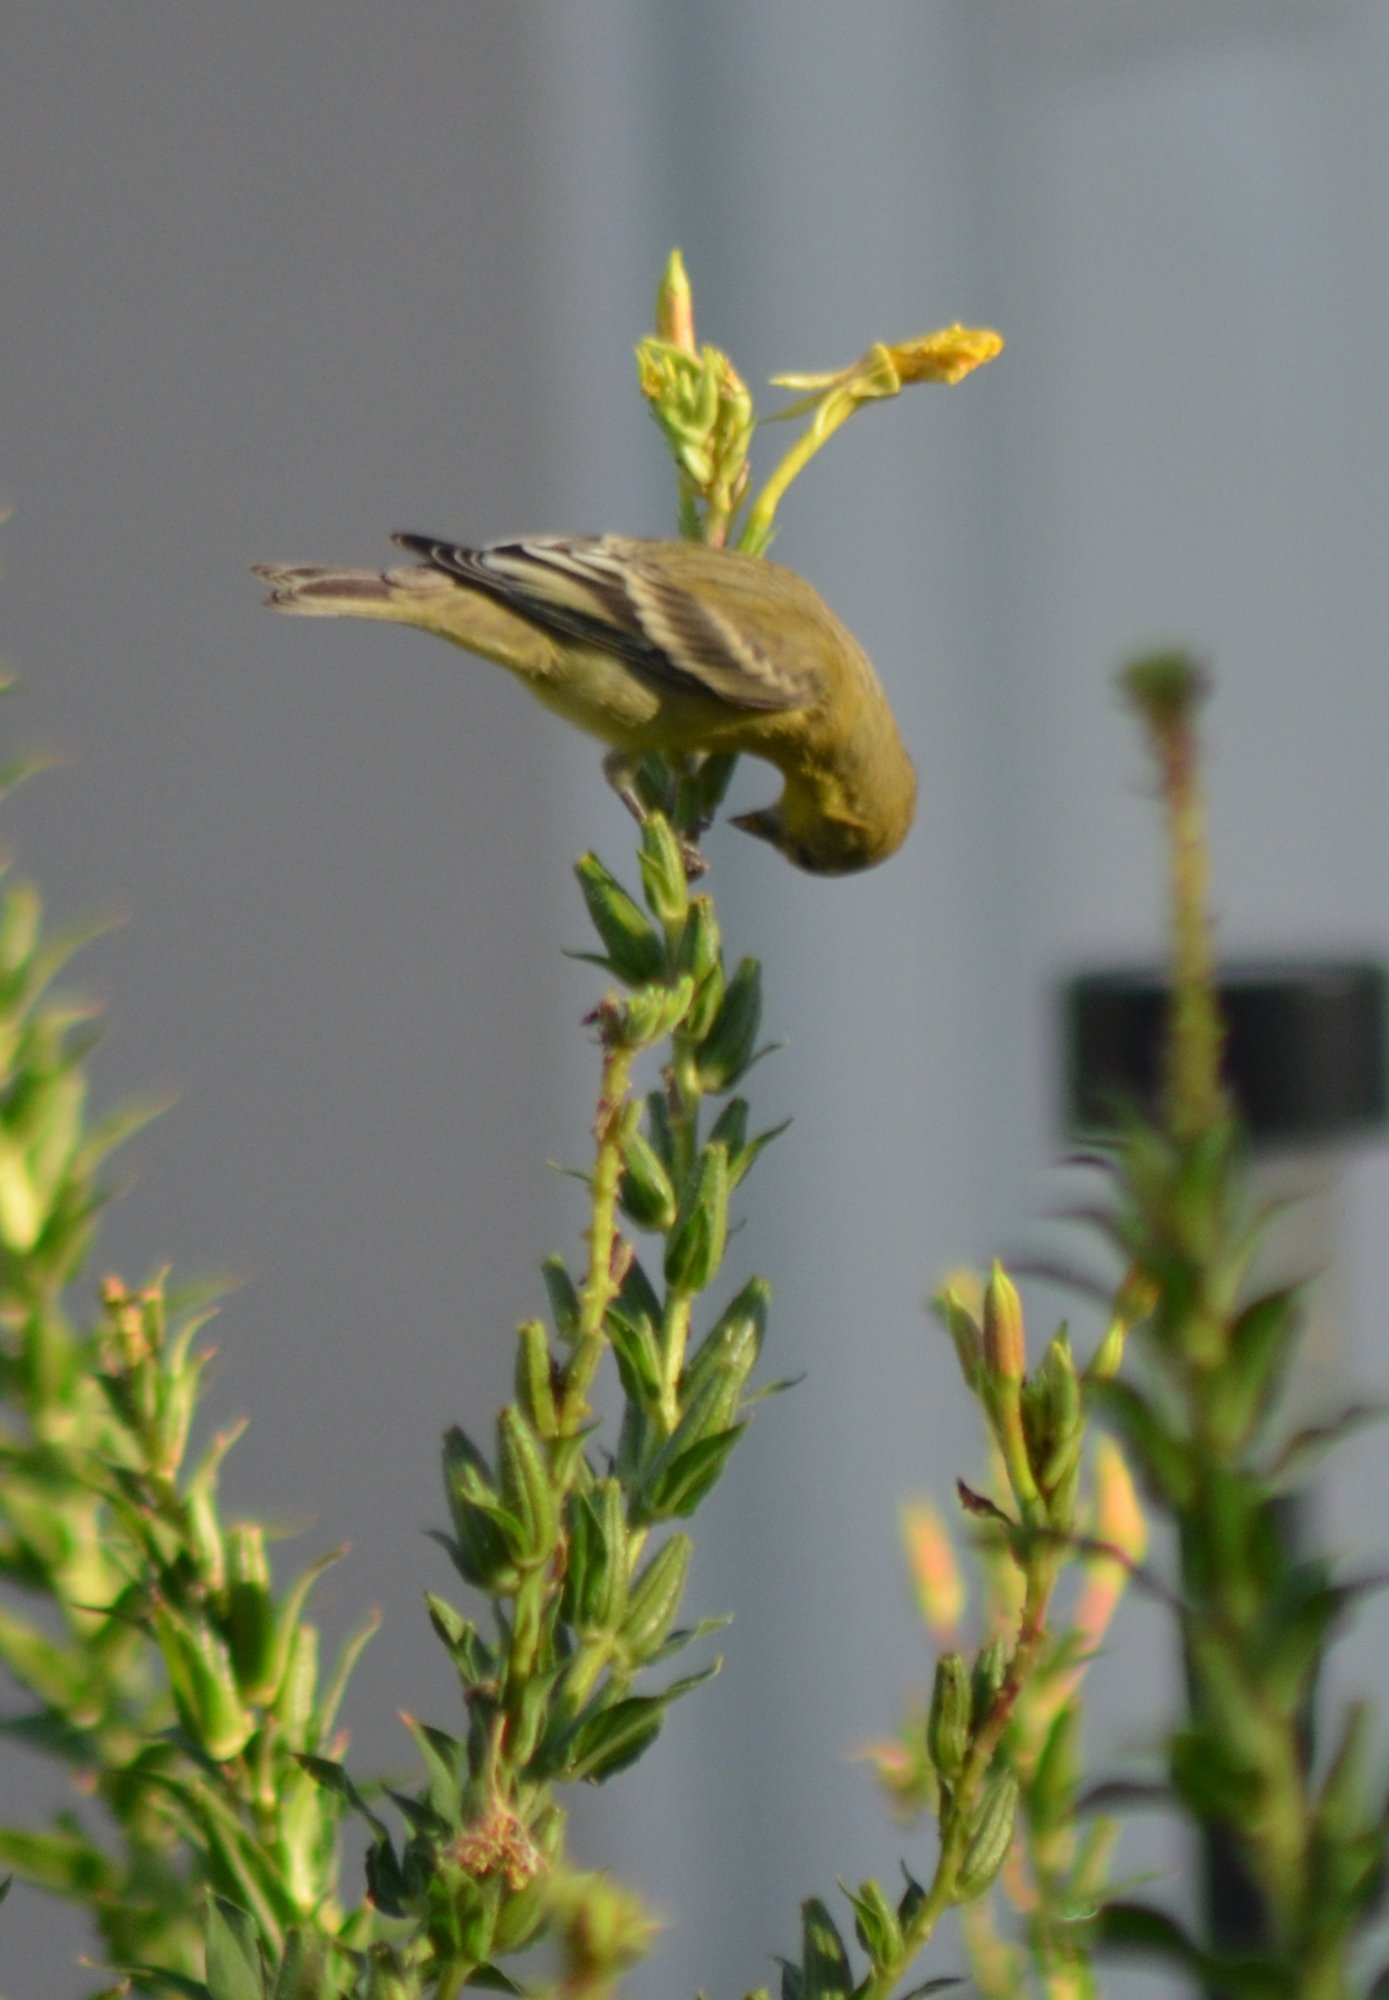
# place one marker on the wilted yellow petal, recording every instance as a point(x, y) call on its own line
point(946, 356)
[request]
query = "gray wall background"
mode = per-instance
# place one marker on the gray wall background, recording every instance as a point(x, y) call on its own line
point(279, 279)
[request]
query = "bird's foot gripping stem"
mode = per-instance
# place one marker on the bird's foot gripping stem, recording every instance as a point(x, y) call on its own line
point(687, 789)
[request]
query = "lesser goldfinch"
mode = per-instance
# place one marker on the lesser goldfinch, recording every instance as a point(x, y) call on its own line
point(672, 646)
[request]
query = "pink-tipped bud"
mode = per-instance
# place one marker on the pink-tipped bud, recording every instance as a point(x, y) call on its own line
point(1005, 1350)
point(675, 306)
point(1118, 1511)
point(940, 1589)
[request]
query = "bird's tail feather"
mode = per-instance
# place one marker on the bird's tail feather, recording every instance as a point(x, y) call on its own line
point(317, 592)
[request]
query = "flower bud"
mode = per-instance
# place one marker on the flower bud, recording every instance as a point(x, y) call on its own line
point(663, 871)
point(645, 1190)
point(695, 1249)
point(635, 952)
point(648, 1014)
point(526, 1489)
point(535, 1381)
point(1005, 1352)
point(675, 306)
point(960, 1321)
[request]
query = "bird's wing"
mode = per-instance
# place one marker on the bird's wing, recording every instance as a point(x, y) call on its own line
point(612, 594)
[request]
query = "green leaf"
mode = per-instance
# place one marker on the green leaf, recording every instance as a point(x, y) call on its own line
point(304, 1967)
point(825, 1967)
point(1308, 1443)
point(687, 1479)
point(334, 1779)
point(607, 1742)
point(234, 1970)
point(563, 1298)
point(1138, 1928)
point(64, 1863)
point(446, 1763)
point(729, 1045)
point(1158, 1452)
point(1262, 1343)
point(493, 1978)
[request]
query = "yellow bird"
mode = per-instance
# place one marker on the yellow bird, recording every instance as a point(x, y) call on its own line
point(672, 646)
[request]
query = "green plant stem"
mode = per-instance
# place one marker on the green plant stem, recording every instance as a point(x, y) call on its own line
point(1042, 1566)
point(1168, 690)
point(757, 527)
point(602, 1281)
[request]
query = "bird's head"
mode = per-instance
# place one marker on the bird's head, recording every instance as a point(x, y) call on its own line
point(820, 845)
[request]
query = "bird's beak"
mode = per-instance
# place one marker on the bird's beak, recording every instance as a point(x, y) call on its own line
point(765, 824)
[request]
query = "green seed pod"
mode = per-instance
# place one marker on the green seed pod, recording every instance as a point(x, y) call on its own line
point(708, 1414)
point(655, 1599)
point(526, 1488)
point(635, 952)
point(990, 1837)
point(663, 871)
point(297, 1695)
point(596, 1573)
point(203, 1685)
point(986, 1679)
point(205, 1532)
point(695, 1249)
point(250, 1623)
point(645, 1191)
point(700, 946)
point(731, 1347)
point(535, 1381)
point(728, 1047)
point(384, 1978)
point(947, 1725)
point(700, 953)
